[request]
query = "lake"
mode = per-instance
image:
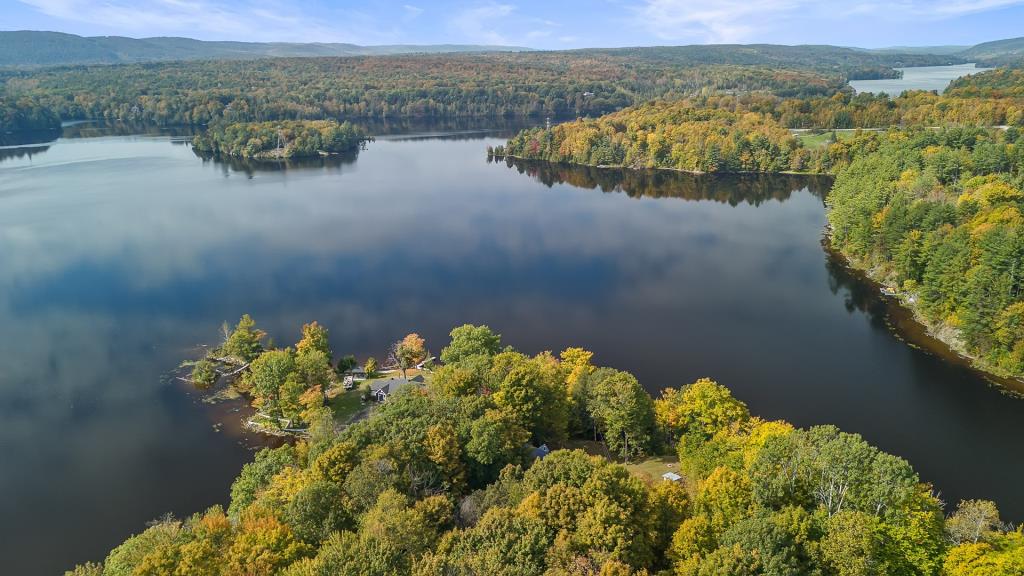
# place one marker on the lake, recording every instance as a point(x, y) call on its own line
point(121, 254)
point(918, 78)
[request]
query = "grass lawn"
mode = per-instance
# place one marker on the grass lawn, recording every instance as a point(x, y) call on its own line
point(649, 469)
point(652, 468)
point(345, 404)
point(812, 141)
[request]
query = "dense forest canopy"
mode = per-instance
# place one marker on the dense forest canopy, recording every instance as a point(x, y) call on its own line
point(751, 132)
point(998, 83)
point(681, 135)
point(938, 213)
point(442, 480)
point(570, 83)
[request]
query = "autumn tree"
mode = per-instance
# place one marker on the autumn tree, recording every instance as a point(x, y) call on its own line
point(314, 338)
point(973, 520)
point(371, 367)
point(704, 408)
point(408, 352)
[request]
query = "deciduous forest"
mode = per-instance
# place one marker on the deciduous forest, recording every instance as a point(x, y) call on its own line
point(443, 479)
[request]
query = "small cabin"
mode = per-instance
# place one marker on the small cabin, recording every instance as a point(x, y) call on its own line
point(382, 389)
point(671, 477)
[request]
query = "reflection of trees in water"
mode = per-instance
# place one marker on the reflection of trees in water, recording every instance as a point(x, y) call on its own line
point(21, 152)
point(28, 137)
point(861, 294)
point(249, 167)
point(102, 128)
point(733, 189)
point(450, 127)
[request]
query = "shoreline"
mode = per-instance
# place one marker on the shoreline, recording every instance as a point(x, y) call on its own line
point(498, 157)
point(909, 325)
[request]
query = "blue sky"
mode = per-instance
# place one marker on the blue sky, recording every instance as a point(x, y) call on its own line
point(551, 24)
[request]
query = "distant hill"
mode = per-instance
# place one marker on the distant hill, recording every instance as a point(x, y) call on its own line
point(997, 53)
point(938, 50)
point(31, 48)
point(855, 64)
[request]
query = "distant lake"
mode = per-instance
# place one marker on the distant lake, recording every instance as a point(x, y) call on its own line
point(123, 253)
point(919, 78)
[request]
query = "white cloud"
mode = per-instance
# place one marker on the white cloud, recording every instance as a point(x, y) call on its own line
point(739, 20)
point(479, 24)
point(215, 19)
point(411, 12)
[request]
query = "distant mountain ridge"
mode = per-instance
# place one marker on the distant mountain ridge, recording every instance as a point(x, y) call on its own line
point(32, 48)
point(28, 48)
point(937, 50)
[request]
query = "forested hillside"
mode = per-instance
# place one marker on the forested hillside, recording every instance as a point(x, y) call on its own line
point(28, 48)
point(998, 83)
point(938, 214)
point(679, 135)
point(442, 480)
point(570, 83)
point(748, 133)
point(1009, 52)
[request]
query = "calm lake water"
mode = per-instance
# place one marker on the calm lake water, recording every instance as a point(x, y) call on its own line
point(918, 78)
point(121, 254)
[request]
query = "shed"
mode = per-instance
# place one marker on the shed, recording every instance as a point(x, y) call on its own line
point(671, 477)
point(356, 373)
point(540, 452)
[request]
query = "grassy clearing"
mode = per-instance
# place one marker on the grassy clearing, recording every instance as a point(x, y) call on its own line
point(812, 141)
point(649, 469)
point(345, 404)
point(652, 468)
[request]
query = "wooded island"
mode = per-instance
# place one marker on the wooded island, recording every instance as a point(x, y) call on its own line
point(279, 140)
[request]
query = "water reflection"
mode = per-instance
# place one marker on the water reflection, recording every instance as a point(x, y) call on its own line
point(250, 166)
point(100, 128)
point(27, 138)
point(731, 189)
point(21, 152)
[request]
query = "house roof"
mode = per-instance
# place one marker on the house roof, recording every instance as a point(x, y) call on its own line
point(540, 451)
point(671, 476)
point(388, 385)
